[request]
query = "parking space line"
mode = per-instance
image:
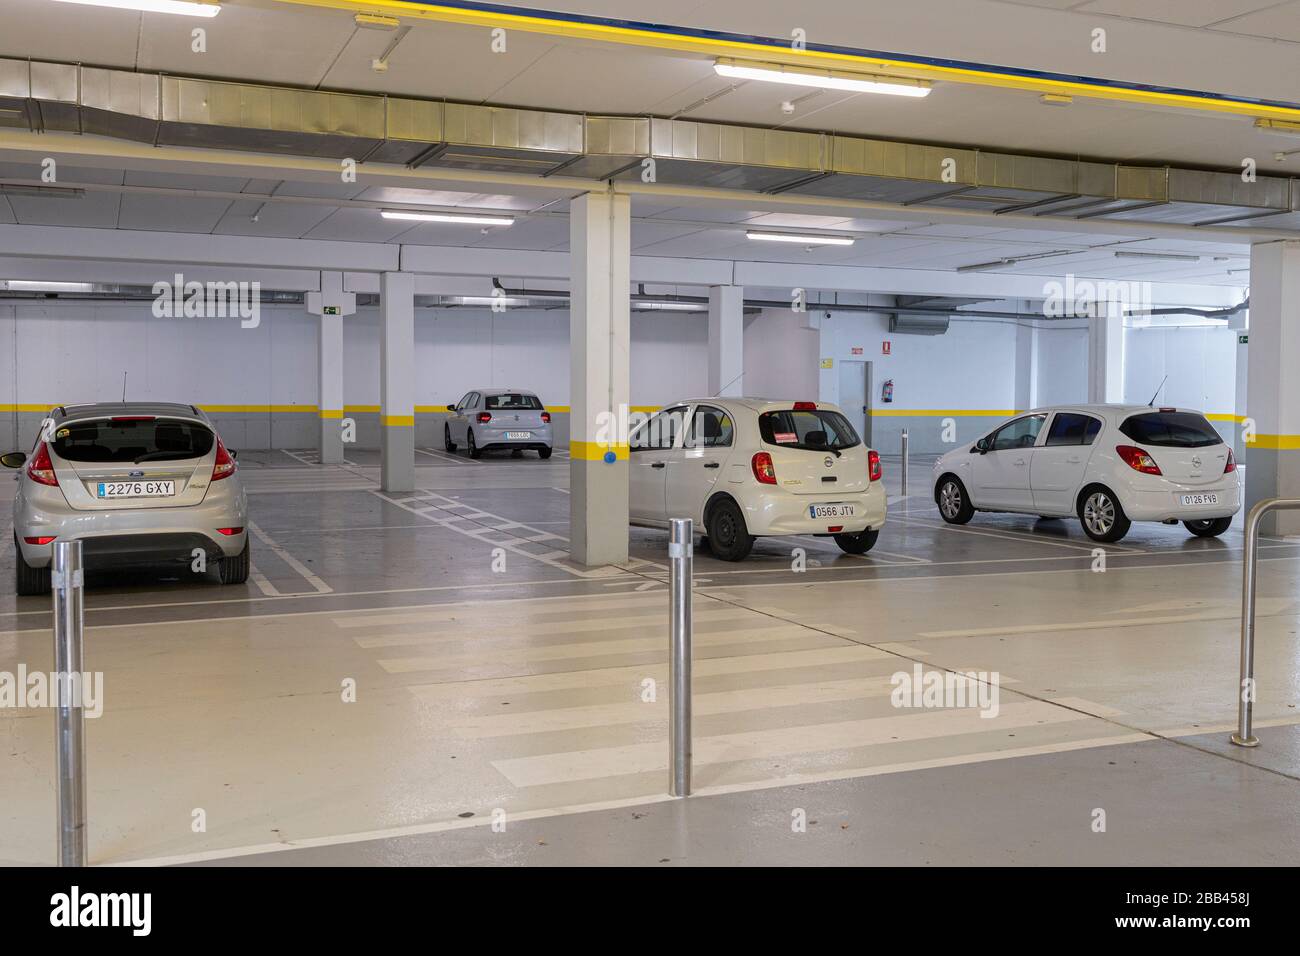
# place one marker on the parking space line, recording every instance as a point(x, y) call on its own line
point(447, 457)
point(306, 572)
point(1024, 537)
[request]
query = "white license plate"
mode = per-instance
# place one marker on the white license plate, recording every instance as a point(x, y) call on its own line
point(830, 511)
point(519, 434)
point(1194, 500)
point(136, 489)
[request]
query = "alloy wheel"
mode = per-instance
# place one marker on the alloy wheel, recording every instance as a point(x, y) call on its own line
point(1099, 513)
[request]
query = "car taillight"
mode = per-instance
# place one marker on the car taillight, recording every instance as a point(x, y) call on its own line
point(763, 470)
point(805, 406)
point(41, 539)
point(225, 465)
point(546, 417)
point(1138, 460)
point(484, 417)
point(230, 532)
point(1232, 463)
point(41, 469)
point(873, 465)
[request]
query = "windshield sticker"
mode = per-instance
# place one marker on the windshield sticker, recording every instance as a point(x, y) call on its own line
point(786, 438)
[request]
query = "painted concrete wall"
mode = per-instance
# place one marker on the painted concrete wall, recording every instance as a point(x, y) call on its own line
point(1201, 365)
point(781, 353)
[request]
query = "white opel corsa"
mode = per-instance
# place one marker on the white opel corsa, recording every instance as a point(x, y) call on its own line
point(1110, 465)
point(743, 468)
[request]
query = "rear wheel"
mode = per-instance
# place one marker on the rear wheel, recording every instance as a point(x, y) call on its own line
point(1208, 527)
point(1102, 517)
point(954, 503)
point(729, 539)
point(470, 446)
point(544, 453)
point(859, 543)
point(29, 581)
point(447, 443)
point(235, 570)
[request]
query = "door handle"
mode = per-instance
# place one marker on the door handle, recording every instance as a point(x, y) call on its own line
point(658, 464)
point(1019, 462)
point(1074, 460)
point(713, 464)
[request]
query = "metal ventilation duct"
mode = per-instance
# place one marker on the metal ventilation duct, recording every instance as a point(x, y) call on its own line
point(184, 111)
point(919, 324)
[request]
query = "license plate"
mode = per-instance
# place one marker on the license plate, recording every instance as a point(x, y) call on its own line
point(830, 511)
point(1206, 499)
point(519, 434)
point(136, 489)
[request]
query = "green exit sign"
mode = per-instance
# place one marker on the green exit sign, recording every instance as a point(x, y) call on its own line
point(1243, 339)
point(330, 310)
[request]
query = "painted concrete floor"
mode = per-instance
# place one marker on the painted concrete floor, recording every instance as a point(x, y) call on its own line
point(521, 691)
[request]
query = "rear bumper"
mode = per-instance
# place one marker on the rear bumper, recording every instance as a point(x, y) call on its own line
point(778, 513)
point(492, 436)
point(132, 536)
point(1164, 501)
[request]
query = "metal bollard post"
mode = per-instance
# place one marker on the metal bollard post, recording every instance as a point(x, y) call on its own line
point(1245, 737)
point(903, 471)
point(67, 580)
point(680, 557)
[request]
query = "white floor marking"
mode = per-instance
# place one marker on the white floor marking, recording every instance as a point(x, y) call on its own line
point(1087, 625)
point(1021, 536)
point(263, 585)
point(563, 491)
point(306, 572)
point(444, 456)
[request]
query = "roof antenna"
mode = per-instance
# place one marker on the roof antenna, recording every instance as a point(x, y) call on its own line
point(124, 387)
point(1153, 397)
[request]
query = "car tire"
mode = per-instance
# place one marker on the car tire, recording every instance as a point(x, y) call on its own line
point(1208, 527)
point(1102, 516)
point(953, 501)
point(859, 543)
point(543, 453)
point(470, 446)
point(29, 581)
point(729, 539)
point(235, 570)
point(447, 443)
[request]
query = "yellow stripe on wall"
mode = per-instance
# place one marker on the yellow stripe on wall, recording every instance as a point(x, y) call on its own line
point(398, 421)
point(1276, 442)
point(595, 451)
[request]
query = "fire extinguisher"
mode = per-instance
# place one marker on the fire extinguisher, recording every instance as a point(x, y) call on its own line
point(887, 392)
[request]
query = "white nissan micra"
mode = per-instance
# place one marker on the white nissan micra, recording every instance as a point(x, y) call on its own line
point(1110, 465)
point(743, 468)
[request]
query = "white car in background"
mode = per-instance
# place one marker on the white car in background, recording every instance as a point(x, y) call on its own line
point(743, 468)
point(1110, 465)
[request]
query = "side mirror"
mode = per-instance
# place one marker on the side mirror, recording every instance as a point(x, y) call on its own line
point(981, 446)
point(233, 454)
point(13, 459)
point(451, 408)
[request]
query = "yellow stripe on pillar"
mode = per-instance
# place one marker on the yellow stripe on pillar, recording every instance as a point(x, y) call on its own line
point(595, 451)
point(398, 421)
point(1276, 442)
point(331, 413)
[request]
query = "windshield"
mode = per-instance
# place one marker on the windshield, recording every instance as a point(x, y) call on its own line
point(1171, 429)
point(512, 401)
point(130, 440)
point(813, 429)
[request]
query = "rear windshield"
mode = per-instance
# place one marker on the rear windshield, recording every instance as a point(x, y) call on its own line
point(513, 401)
point(121, 441)
point(1172, 429)
point(815, 430)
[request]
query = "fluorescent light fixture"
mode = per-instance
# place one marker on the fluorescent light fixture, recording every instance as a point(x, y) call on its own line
point(189, 8)
point(806, 240)
point(1170, 256)
point(492, 300)
point(453, 217)
point(1014, 260)
point(34, 285)
point(670, 306)
point(822, 79)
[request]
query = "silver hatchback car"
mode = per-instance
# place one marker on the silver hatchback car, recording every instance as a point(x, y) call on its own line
point(138, 483)
point(499, 418)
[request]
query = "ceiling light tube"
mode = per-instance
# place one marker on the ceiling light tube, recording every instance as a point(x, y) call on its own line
point(669, 306)
point(807, 240)
point(189, 8)
point(36, 285)
point(822, 79)
point(508, 301)
point(1171, 256)
point(452, 217)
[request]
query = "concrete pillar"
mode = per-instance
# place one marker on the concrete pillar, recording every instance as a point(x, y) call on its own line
point(1106, 354)
point(397, 381)
point(1026, 366)
point(726, 340)
point(1273, 398)
point(600, 256)
point(331, 303)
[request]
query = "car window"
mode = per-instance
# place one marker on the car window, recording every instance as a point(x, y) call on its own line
point(813, 429)
point(513, 401)
point(660, 431)
point(710, 428)
point(1022, 433)
point(1171, 429)
point(464, 402)
point(130, 439)
point(1069, 428)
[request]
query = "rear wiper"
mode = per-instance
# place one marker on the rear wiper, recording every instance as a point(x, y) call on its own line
point(163, 455)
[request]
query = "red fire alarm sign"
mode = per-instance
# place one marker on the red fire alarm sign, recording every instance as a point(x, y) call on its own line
point(884, 347)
